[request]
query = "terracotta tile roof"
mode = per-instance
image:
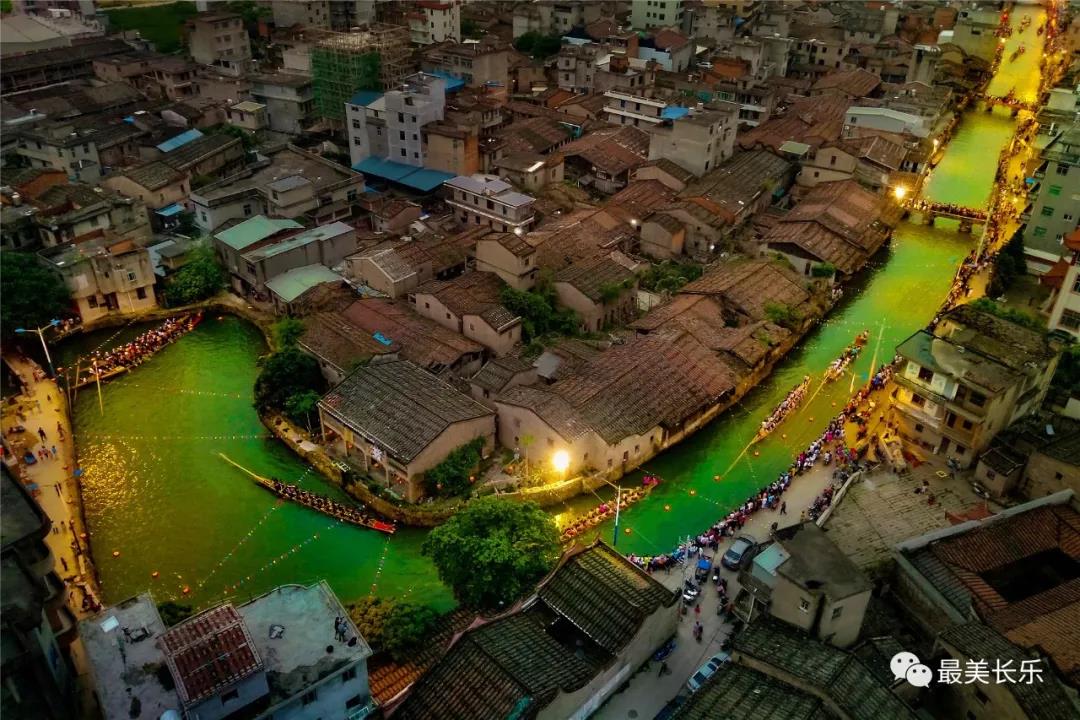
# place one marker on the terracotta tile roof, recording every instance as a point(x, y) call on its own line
point(422, 341)
point(877, 149)
point(208, 653)
point(538, 135)
point(475, 293)
point(400, 406)
point(854, 83)
point(592, 275)
point(814, 121)
point(499, 371)
point(739, 181)
point(388, 678)
point(984, 569)
point(667, 39)
point(747, 287)
point(613, 150)
point(839, 222)
point(672, 168)
point(581, 234)
point(328, 335)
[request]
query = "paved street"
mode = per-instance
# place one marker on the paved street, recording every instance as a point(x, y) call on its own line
point(648, 692)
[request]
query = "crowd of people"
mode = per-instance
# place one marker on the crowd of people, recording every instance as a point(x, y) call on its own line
point(325, 505)
point(839, 365)
point(141, 348)
point(789, 403)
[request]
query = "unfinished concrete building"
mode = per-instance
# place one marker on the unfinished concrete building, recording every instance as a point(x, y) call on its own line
point(372, 58)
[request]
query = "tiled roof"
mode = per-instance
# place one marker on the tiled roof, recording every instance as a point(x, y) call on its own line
point(877, 149)
point(740, 180)
point(840, 676)
point(330, 336)
point(748, 287)
point(535, 135)
point(154, 175)
point(839, 222)
point(814, 121)
point(1045, 700)
point(604, 595)
point(499, 371)
point(642, 196)
point(422, 341)
point(737, 692)
point(388, 678)
point(613, 150)
point(855, 83)
point(195, 151)
point(209, 652)
point(666, 39)
point(592, 276)
point(983, 569)
point(672, 168)
point(559, 414)
point(399, 406)
point(511, 242)
point(475, 293)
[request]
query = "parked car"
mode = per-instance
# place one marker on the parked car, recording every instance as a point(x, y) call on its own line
point(740, 551)
point(707, 670)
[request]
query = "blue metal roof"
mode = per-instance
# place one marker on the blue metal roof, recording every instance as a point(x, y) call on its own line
point(410, 176)
point(170, 210)
point(453, 83)
point(365, 97)
point(179, 141)
point(674, 112)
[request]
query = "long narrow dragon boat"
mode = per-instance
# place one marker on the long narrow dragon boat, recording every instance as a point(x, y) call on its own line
point(851, 352)
point(94, 374)
point(788, 405)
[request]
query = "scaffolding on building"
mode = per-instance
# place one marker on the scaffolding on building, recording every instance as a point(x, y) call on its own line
point(376, 57)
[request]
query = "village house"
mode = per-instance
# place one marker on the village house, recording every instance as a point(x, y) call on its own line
point(339, 346)
point(804, 579)
point(395, 268)
point(219, 40)
point(480, 65)
point(853, 84)
point(470, 305)
point(157, 185)
point(302, 289)
point(247, 115)
point(873, 161)
point(667, 172)
point(699, 140)
point(395, 421)
point(231, 244)
point(604, 159)
point(288, 97)
point(812, 121)
point(499, 374)
point(510, 256)
point(531, 171)
point(435, 21)
point(265, 259)
point(958, 387)
point(265, 649)
point(104, 276)
point(291, 183)
point(839, 225)
point(1005, 576)
point(594, 620)
point(1037, 455)
point(82, 153)
point(601, 291)
point(487, 200)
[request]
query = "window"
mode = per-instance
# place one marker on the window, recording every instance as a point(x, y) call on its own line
point(354, 701)
point(131, 276)
point(308, 698)
point(968, 424)
point(404, 153)
point(837, 611)
point(356, 124)
point(140, 293)
point(348, 675)
point(917, 400)
point(1054, 190)
point(926, 375)
point(1047, 211)
point(401, 135)
point(1070, 319)
point(247, 210)
point(804, 605)
point(919, 428)
point(1062, 169)
point(977, 399)
point(401, 117)
point(230, 696)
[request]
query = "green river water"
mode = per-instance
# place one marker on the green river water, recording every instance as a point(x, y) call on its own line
point(157, 492)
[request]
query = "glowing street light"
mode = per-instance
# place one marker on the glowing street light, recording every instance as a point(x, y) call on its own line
point(900, 192)
point(560, 461)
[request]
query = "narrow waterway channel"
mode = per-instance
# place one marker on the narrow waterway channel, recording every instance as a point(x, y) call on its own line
point(157, 493)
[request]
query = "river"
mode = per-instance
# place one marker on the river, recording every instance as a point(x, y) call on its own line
point(157, 493)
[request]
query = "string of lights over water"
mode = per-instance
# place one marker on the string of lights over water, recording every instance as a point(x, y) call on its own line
point(159, 497)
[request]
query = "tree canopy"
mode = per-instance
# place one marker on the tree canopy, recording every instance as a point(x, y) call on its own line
point(198, 279)
point(395, 626)
point(284, 374)
point(668, 276)
point(537, 45)
point(287, 331)
point(32, 295)
point(451, 476)
point(494, 551)
point(1009, 264)
point(539, 311)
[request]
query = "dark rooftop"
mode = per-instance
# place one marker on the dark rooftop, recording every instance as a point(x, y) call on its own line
point(816, 563)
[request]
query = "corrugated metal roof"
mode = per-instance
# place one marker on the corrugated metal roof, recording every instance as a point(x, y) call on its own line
point(253, 230)
point(417, 178)
point(179, 141)
point(292, 284)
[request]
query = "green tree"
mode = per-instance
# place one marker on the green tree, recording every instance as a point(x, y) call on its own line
point(198, 279)
point(284, 374)
point(823, 270)
point(668, 276)
point(537, 45)
point(369, 615)
point(492, 552)
point(287, 332)
point(539, 311)
point(173, 612)
point(1067, 375)
point(782, 315)
point(299, 407)
point(30, 294)
point(451, 476)
point(187, 224)
point(1011, 314)
point(393, 626)
point(1009, 264)
point(470, 29)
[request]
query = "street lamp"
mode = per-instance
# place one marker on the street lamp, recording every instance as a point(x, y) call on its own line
point(560, 461)
point(41, 334)
point(900, 192)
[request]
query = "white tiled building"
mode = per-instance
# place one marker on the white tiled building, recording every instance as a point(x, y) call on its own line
point(486, 200)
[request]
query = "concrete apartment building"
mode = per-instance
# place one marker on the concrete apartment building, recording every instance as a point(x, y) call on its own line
point(105, 276)
point(1063, 279)
point(553, 17)
point(35, 621)
point(486, 200)
point(480, 65)
point(265, 650)
point(647, 14)
point(306, 13)
point(289, 100)
point(509, 256)
point(804, 579)
point(700, 140)
point(391, 126)
point(82, 153)
point(624, 108)
point(435, 21)
point(974, 32)
point(395, 420)
point(973, 377)
point(221, 41)
point(1054, 201)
